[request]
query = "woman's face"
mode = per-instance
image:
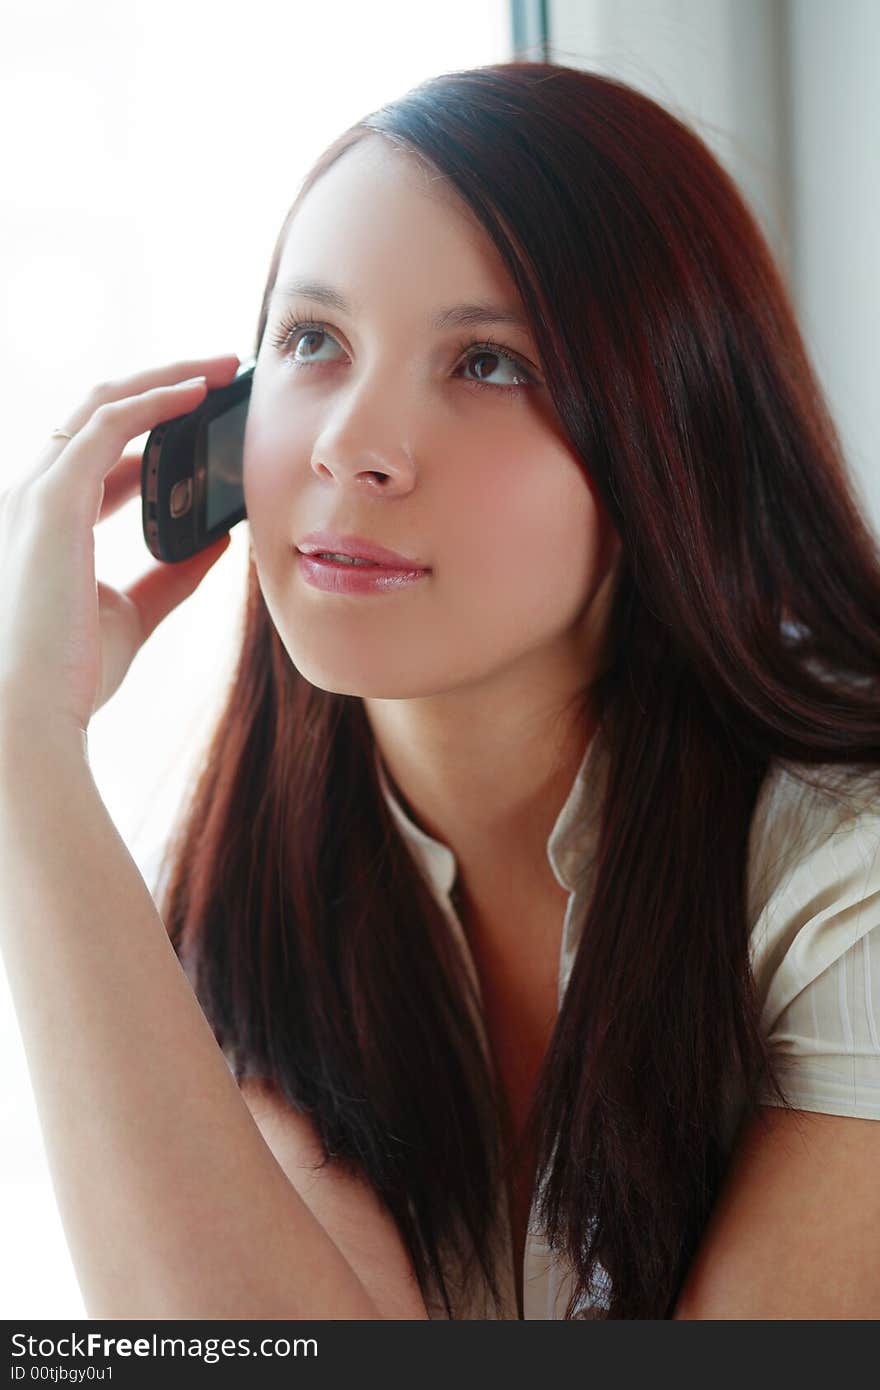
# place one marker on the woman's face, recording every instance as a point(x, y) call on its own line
point(379, 425)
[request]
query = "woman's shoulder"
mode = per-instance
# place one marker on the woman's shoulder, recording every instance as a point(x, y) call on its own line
point(814, 900)
point(807, 815)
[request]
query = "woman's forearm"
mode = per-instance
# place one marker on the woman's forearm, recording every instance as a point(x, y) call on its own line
point(172, 1203)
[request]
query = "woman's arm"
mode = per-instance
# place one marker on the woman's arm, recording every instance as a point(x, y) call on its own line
point(795, 1232)
point(172, 1202)
point(347, 1206)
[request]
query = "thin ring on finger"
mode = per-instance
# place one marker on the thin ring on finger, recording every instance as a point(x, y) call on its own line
point(60, 434)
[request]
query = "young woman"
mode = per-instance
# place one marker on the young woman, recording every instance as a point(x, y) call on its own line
point(529, 894)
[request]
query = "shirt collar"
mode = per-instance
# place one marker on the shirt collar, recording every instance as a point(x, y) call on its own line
point(571, 844)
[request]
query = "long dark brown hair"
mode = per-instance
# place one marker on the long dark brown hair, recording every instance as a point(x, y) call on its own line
point(744, 627)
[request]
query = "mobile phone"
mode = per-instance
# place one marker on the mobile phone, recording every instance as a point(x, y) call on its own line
point(191, 472)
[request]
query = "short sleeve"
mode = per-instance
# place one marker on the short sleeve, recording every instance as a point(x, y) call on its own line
point(820, 936)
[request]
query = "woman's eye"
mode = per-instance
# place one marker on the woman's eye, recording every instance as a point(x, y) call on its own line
point(482, 353)
point(296, 338)
point(293, 336)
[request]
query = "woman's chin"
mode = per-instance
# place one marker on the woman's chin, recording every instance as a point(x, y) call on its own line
point(366, 683)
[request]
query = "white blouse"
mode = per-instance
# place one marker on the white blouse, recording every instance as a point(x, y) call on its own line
point(814, 906)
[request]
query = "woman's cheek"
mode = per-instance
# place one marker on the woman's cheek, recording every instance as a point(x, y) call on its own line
point(271, 483)
point(517, 506)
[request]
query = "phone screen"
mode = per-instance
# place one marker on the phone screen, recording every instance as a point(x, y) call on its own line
point(223, 480)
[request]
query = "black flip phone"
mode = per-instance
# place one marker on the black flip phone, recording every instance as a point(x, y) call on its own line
point(191, 472)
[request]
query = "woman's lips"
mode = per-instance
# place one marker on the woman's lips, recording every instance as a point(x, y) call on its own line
point(327, 542)
point(337, 577)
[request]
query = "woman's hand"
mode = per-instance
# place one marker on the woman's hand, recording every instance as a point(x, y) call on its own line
point(66, 639)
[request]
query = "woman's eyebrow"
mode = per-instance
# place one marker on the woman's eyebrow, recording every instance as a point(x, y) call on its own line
point(453, 316)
